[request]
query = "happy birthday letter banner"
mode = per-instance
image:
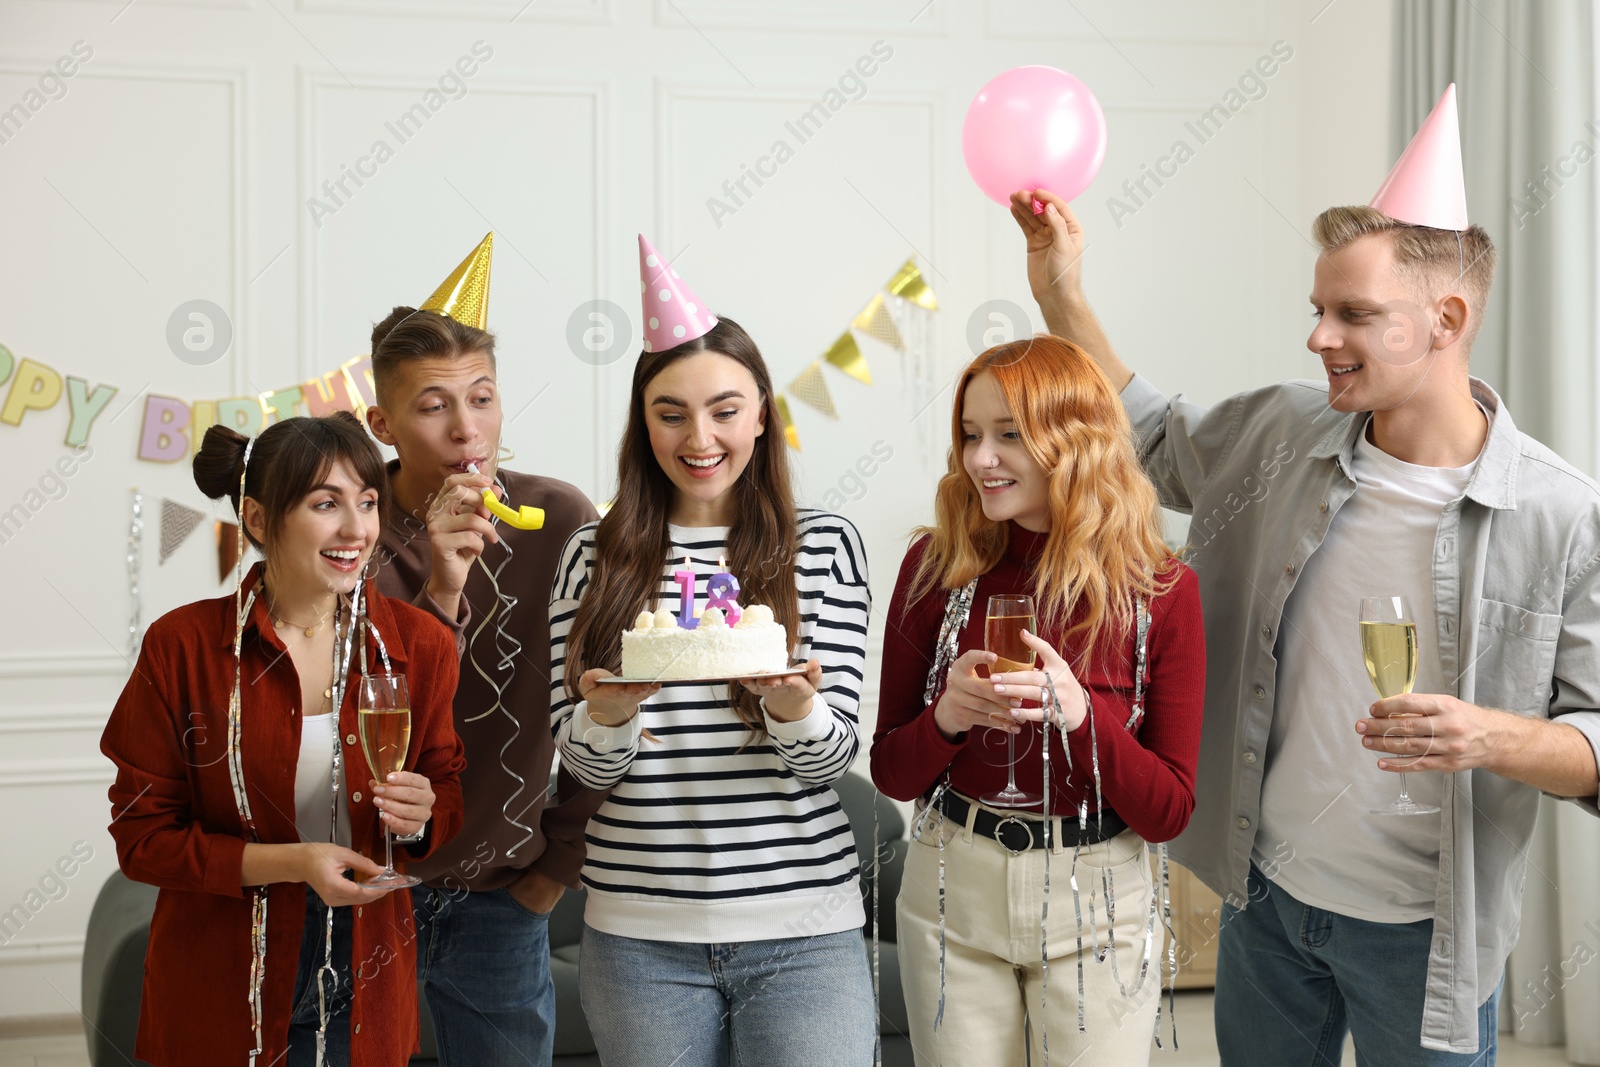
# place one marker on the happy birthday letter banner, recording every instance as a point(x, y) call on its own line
point(171, 429)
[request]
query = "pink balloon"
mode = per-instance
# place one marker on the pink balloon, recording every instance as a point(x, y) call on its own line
point(1034, 128)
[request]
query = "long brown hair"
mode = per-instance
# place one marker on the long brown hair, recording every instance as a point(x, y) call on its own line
point(1105, 545)
point(632, 541)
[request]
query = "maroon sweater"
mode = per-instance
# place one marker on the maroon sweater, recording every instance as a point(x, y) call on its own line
point(1147, 778)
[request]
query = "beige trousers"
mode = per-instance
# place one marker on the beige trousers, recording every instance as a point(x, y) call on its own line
point(993, 978)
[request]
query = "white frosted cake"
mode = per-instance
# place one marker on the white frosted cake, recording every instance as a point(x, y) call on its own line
point(658, 648)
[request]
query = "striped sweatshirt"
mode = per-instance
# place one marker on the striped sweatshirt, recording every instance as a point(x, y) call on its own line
point(705, 837)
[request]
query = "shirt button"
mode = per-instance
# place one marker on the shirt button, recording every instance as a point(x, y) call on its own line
point(1322, 506)
point(356, 797)
point(1249, 757)
point(1289, 569)
point(358, 1028)
point(1242, 823)
point(1266, 631)
point(1259, 692)
point(350, 739)
point(358, 913)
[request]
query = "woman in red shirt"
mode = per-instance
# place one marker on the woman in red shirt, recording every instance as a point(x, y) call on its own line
point(249, 878)
point(1043, 497)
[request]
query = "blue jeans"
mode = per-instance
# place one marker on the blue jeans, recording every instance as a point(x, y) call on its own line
point(1291, 979)
point(484, 962)
point(793, 1002)
point(306, 1016)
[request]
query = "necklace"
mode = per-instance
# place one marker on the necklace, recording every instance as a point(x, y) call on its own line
point(279, 622)
point(310, 631)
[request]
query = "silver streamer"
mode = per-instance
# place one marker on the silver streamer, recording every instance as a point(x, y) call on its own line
point(508, 648)
point(241, 798)
point(957, 608)
point(135, 542)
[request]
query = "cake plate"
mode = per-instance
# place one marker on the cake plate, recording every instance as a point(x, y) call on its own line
point(789, 672)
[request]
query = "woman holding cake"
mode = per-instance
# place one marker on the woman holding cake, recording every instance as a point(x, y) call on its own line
point(724, 910)
point(244, 792)
point(1044, 498)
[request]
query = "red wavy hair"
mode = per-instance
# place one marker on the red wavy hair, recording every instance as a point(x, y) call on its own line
point(1105, 544)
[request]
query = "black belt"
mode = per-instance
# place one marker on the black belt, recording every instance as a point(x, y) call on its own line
point(1017, 835)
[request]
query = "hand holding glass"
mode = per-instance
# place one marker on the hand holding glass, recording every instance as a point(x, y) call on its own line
point(1007, 617)
point(1389, 650)
point(384, 719)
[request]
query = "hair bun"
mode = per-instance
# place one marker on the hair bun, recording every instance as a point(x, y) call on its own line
point(216, 465)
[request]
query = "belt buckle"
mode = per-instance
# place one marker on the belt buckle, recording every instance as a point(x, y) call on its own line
point(1028, 834)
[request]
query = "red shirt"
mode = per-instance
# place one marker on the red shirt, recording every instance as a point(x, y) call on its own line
point(1147, 777)
point(176, 826)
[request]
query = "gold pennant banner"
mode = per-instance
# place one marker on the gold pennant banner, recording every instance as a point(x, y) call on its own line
point(811, 387)
point(790, 434)
point(846, 355)
point(909, 284)
point(876, 321)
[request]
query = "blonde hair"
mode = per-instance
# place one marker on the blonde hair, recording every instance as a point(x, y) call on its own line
point(1105, 545)
point(1434, 261)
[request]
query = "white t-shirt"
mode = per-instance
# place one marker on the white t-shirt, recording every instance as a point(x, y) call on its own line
point(1321, 783)
point(313, 780)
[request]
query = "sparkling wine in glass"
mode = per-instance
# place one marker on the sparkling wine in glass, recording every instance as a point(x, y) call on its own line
point(1007, 617)
point(1389, 650)
point(384, 720)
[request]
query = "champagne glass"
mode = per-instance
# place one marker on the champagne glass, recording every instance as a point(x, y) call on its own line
point(1007, 617)
point(384, 720)
point(1389, 649)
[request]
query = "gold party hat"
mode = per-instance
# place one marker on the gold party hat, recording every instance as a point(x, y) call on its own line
point(464, 296)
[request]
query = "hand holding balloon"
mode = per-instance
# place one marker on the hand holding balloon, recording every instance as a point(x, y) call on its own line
point(1034, 128)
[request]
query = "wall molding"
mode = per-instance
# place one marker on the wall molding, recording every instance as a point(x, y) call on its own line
point(63, 665)
point(98, 771)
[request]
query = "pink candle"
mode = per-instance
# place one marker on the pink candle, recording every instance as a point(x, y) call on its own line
point(685, 579)
point(722, 589)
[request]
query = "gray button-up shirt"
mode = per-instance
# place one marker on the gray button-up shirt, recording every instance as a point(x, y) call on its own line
point(1516, 583)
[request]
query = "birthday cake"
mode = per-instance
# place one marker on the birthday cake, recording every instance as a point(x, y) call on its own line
point(659, 648)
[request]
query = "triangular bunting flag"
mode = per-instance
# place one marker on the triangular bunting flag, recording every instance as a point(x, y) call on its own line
point(811, 388)
point(846, 355)
point(178, 521)
point(790, 434)
point(227, 548)
point(909, 284)
point(875, 321)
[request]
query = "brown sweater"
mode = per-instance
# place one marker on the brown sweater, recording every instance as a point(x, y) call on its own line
point(486, 854)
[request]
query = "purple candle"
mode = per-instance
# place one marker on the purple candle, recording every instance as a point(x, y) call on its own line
point(685, 579)
point(722, 589)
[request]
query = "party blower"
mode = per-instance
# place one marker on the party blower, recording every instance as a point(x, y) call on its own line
point(524, 518)
point(1034, 128)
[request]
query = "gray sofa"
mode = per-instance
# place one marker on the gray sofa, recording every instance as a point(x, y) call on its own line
point(119, 930)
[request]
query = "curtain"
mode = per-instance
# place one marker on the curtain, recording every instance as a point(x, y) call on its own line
point(1525, 82)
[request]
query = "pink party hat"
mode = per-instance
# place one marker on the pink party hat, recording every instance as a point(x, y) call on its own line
point(672, 313)
point(1426, 187)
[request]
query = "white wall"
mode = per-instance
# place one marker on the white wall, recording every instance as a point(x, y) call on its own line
point(178, 164)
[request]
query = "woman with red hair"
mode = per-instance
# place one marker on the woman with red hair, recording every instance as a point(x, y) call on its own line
point(1043, 497)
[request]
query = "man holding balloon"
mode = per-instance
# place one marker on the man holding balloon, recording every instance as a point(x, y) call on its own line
point(1405, 478)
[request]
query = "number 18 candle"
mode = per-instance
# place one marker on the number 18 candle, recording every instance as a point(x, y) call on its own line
point(685, 579)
